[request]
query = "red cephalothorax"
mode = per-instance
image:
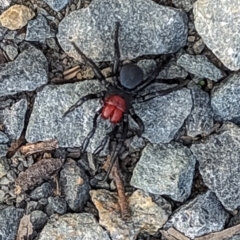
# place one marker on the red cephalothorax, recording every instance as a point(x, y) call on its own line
point(113, 109)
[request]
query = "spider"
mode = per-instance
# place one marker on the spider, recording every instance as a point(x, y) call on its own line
point(117, 100)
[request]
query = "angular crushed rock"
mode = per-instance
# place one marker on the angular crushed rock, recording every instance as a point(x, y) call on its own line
point(92, 29)
point(200, 216)
point(146, 215)
point(200, 66)
point(187, 5)
point(43, 191)
point(3, 138)
point(3, 150)
point(56, 205)
point(38, 30)
point(11, 51)
point(212, 18)
point(13, 119)
point(77, 225)
point(200, 121)
point(172, 70)
point(164, 116)
point(219, 164)
point(27, 72)
point(47, 122)
point(38, 219)
point(225, 99)
point(56, 5)
point(165, 170)
point(4, 166)
point(75, 185)
point(9, 221)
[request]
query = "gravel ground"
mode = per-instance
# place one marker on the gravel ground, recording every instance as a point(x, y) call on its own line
point(180, 176)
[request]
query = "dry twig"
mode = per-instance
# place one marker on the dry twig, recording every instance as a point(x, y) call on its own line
point(39, 147)
point(37, 173)
point(125, 213)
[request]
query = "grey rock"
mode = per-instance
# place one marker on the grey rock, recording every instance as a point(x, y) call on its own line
point(75, 185)
point(11, 51)
point(218, 164)
point(186, 5)
point(137, 143)
point(38, 30)
point(212, 18)
point(147, 215)
point(27, 72)
point(172, 70)
point(56, 5)
point(56, 205)
point(200, 66)
point(43, 191)
point(200, 216)
point(2, 194)
point(52, 102)
point(3, 138)
point(14, 118)
point(78, 226)
point(38, 219)
point(165, 170)
point(225, 99)
point(198, 46)
point(200, 121)
point(92, 29)
point(3, 30)
point(164, 116)
point(4, 166)
point(32, 206)
point(9, 221)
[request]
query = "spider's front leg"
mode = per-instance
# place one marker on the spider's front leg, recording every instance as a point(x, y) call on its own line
point(138, 120)
point(157, 93)
point(84, 99)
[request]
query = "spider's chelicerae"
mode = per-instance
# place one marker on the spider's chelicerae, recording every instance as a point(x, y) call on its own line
point(117, 100)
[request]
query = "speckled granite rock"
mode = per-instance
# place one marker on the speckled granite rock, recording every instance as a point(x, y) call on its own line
point(146, 215)
point(9, 221)
point(38, 30)
point(57, 5)
point(4, 166)
point(75, 185)
point(200, 121)
point(225, 99)
point(16, 17)
point(52, 102)
point(200, 216)
point(187, 5)
point(219, 164)
point(27, 72)
point(212, 18)
point(3, 150)
point(200, 66)
point(13, 119)
point(78, 226)
point(162, 29)
point(3, 138)
point(164, 116)
point(165, 170)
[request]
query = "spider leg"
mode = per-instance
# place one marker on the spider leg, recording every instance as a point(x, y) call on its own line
point(91, 133)
point(91, 64)
point(158, 93)
point(116, 60)
point(84, 99)
point(117, 146)
point(138, 120)
point(104, 141)
point(152, 76)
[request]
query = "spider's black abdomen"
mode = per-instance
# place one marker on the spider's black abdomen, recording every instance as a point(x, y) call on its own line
point(131, 76)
